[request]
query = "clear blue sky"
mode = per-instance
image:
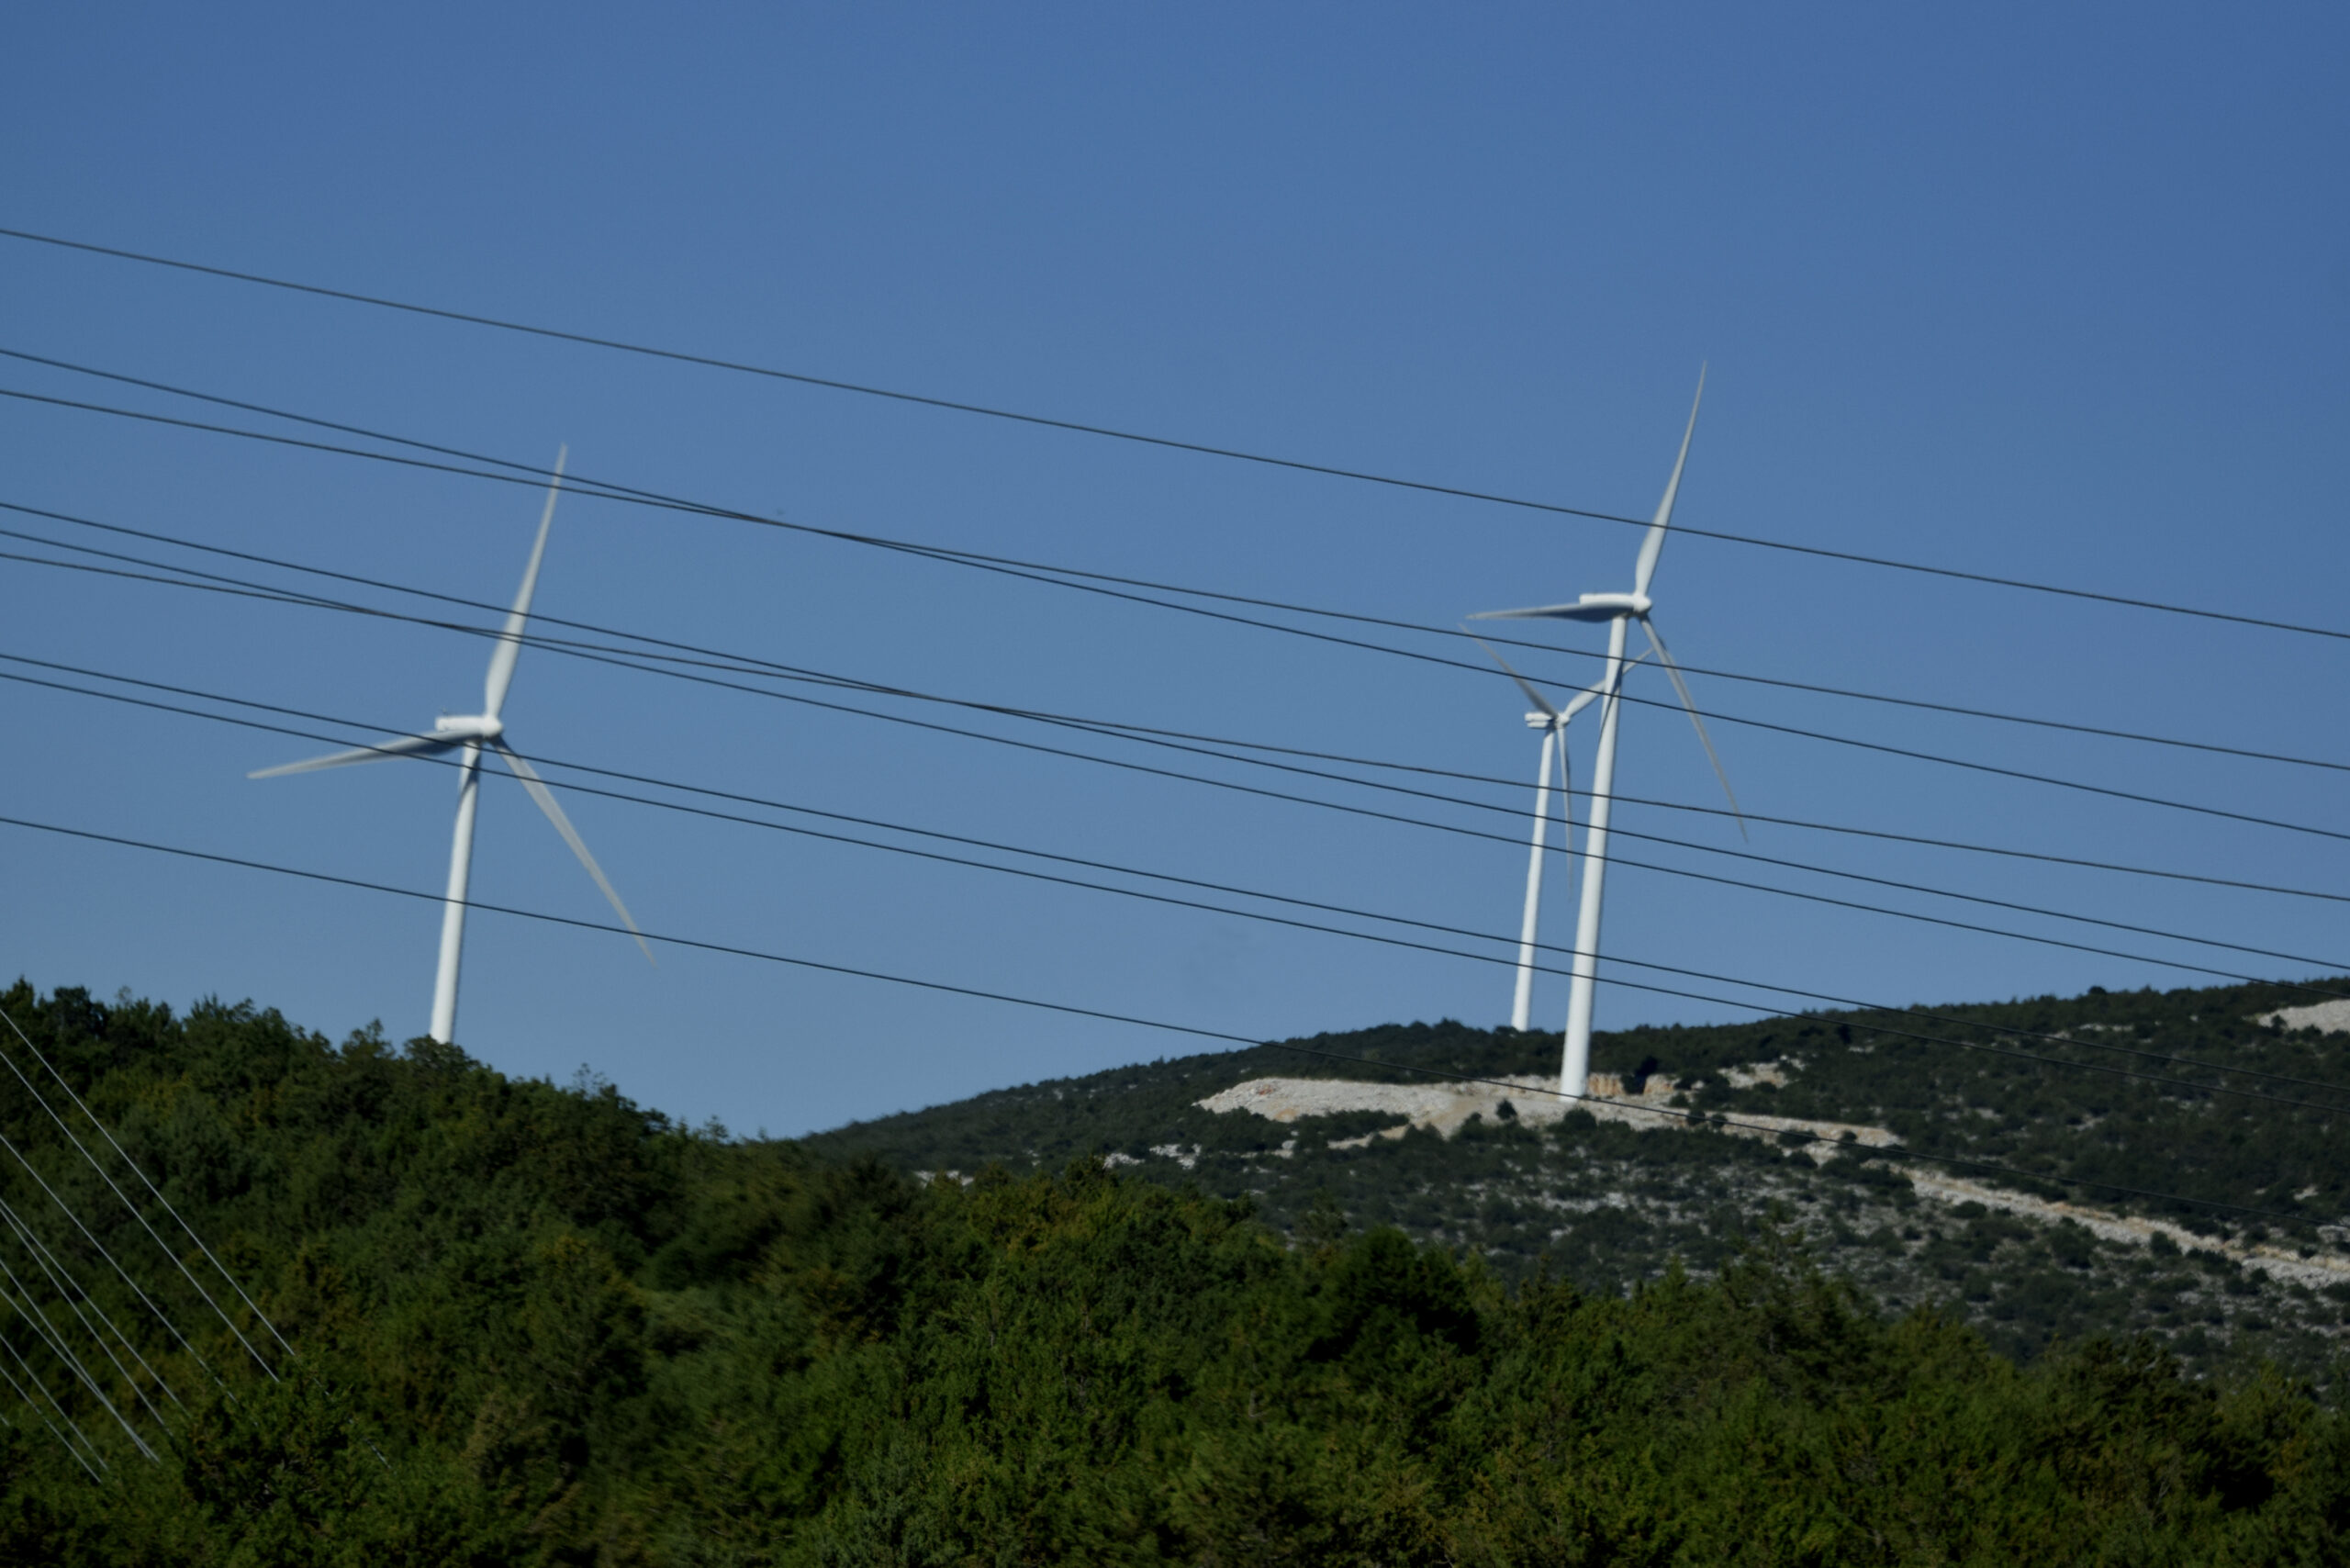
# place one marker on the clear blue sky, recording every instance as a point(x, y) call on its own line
point(2057, 292)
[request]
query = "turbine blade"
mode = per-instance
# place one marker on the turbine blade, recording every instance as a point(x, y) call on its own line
point(1524, 685)
point(383, 751)
point(1591, 694)
point(1566, 795)
point(1554, 612)
point(546, 803)
point(509, 640)
point(1704, 739)
point(1653, 545)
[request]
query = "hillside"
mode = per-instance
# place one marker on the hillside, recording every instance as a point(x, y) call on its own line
point(1610, 1202)
point(540, 1325)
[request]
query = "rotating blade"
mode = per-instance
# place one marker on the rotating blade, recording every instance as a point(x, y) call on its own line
point(1578, 702)
point(383, 751)
point(509, 640)
point(1566, 794)
point(1554, 612)
point(1524, 685)
point(1653, 545)
point(546, 803)
point(1690, 706)
point(1597, 690)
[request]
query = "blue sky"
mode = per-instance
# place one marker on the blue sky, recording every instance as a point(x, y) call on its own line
point(2053, 293)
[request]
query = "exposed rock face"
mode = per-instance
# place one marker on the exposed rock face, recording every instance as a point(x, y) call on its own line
point(2332, 1016)
point(1445, 1109)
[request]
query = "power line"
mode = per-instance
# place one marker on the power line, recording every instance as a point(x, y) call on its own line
point(86, 1447)
point(1228, 890)
point(1146, 735)
point(49, 1334)
point(46, 1420)
point(124, 1198)
point(625, 662)
point(1013, 566)
point(1449, 827)
point(1169, 443)
point(610, 491)
point(159, 1315)
point(585, 486)
point(1121, 727)
point(1101, 1015)
point(70, 1291)
point(124, 1274)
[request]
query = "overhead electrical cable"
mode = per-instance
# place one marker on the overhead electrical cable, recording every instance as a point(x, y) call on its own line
point(1194, 1030)
point(1447, 827)
point(81, 1438)
point(589, 487)
point(750, 662)
point(1053, 573)
point(47, 1420)
point(120, 1273)
point(1169, 443)
point(1150, 736)
point(154, 1376)
point(737, 819)
point(134, 1210)
point(81, 1304)
point(1368, 812)
point(50, 1336)
point(626, 663)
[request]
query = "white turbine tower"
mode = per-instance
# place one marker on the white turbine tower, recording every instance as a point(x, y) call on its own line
point(470, 733)
point(1552, 722)
point(1619, 610)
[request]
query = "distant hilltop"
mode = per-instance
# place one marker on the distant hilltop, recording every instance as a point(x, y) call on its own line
point(2047, 1168)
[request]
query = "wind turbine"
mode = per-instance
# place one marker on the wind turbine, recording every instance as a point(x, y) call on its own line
point(470, 734)
point(1552, 722)
point(1619, 610)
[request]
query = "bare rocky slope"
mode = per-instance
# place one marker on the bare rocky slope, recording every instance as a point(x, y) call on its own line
point(2066, 1130)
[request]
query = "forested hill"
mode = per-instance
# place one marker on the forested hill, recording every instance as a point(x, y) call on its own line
point(2094, 1100)
point(540, 1325)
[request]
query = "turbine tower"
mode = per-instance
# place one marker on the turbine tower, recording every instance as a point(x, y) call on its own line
point(1619, 610)
point(470, 734)
point(1552, 722)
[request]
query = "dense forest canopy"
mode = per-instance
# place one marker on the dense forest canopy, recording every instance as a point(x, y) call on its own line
point(531, 1323)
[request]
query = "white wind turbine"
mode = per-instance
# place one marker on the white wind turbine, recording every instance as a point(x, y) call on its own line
point(1552, 722)
point(1619, 610)
point(469, 734)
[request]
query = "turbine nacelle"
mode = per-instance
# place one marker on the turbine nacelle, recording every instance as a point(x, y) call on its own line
point(1607, 606)
point(1590, 607)
point(468, 726)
